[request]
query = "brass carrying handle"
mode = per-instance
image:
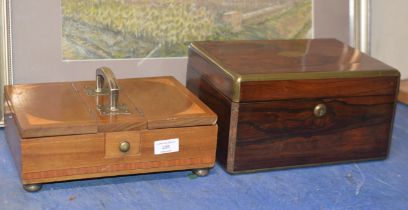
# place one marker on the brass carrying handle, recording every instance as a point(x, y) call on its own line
point(105, 74)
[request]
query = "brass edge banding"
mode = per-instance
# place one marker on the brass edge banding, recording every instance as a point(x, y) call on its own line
point(237, 79)
point(308, 165)
point(320, 75)
point(236, 90)
point(195, 46)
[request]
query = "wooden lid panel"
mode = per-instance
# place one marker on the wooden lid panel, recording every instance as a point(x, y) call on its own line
point(55, 109)
point(287, 56)
point(49, 109)
point(166, 103)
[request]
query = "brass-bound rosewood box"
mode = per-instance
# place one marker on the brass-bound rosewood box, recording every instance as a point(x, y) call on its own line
point(288, 103)
point(74, 130)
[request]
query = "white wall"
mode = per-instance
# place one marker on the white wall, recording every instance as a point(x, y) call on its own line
point(331, 19)
point(389, 33)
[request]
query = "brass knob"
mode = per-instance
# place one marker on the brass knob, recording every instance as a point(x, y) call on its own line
point(320, 110)
point(124, 146)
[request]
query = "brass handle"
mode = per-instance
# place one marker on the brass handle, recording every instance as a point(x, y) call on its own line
point(105, 73)
point(124, 146)
point(320, 110)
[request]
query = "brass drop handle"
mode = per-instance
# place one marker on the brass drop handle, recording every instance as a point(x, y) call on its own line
point(124, 146)
point(105, 74)
point(320, 110)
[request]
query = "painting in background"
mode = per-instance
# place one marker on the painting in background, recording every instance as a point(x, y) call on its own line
point(122, 29)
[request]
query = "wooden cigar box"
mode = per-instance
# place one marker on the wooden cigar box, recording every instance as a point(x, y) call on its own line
point(286, 103)
point(76, 130)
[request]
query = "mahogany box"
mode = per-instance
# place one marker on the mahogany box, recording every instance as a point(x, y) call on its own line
point(286, 103)
point(75, 130)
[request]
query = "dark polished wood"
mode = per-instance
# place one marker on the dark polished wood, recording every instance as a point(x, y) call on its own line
point(242, 70)
point(291, 56)
point(297, 89)
point(219, 104)
point(211, 73)
point(274, 124)
point(348, 145)
point(281, 133)
point(275, 120)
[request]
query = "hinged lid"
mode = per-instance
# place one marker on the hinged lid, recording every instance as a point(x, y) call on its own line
point(50, 109)
point(55, 109)
point(267, 60)
point(165, 103)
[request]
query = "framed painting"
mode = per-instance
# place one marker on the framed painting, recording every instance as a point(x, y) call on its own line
point(131, 29)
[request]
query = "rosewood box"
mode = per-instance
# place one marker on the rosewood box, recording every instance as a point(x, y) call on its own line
point(75, 130)
point(287, 103)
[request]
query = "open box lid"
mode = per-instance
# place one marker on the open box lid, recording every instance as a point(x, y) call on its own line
point(55, 109)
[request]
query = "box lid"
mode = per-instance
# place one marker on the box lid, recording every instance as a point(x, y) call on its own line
point(49, 109)
point(305, 59)
point(165, 103)
point(54, 109)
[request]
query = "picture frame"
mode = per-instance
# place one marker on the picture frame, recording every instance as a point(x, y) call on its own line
point(6, 74)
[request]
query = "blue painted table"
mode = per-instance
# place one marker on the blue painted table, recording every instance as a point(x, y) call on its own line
point(363, 185)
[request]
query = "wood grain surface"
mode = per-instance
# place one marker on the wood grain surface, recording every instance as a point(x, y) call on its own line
point(220, 105)
point(113, 140)
point(165, 103)
point(268, 121)
point(249, 57)
point(211, 73)
point(284, 133)
point(298, 89)
point(13, 139)
point(85, 156)
point(244, 70)
point(338, 146)
point(49, 109)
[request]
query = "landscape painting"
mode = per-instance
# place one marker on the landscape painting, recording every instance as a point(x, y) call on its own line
point(126, 29)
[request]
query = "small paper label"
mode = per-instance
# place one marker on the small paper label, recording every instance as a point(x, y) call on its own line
point(166, 146)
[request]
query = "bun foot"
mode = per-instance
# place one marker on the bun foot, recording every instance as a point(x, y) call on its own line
point(32, 187)
point(201, 172)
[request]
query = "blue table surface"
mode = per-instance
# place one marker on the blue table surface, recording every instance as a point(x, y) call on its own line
point(363, 185)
